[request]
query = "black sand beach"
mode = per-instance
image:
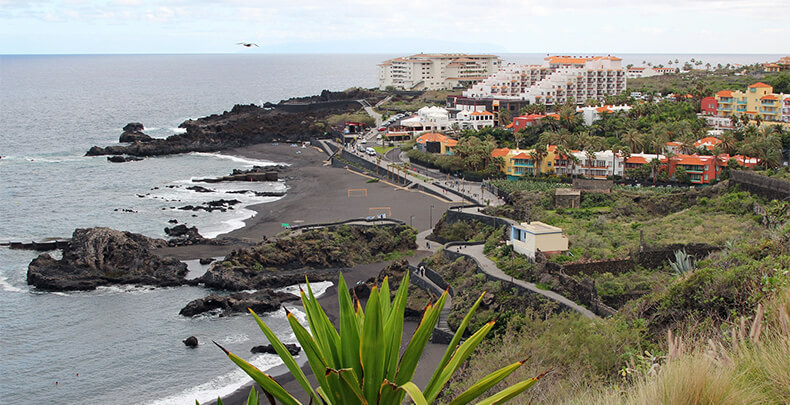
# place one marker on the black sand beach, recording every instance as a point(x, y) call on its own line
point(318, 194)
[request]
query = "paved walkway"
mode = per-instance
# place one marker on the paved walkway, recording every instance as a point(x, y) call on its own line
point(490, 268)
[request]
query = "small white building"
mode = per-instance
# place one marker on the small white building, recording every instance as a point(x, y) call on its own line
point(592, 114)
point(528, 238)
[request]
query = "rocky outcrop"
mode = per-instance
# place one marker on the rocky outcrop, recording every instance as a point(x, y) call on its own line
point(259, 301)
point(191, 342)
point(104, 256)
point(181, 235)
point(293, 120)
point(341, 246)
point(257, 173)
point(133, 132)
point(123, 159)
point(292, 348)
point(223, 276)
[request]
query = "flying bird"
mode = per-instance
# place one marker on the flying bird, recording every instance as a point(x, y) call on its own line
point(247, 44)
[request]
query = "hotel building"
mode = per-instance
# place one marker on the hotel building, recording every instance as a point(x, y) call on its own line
point(758, 99)
point(436, 71)
point(560, 78)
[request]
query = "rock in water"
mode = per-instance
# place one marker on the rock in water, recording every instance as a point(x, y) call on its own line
point(191, 341)
point(259, 301)
point(104, 256)
point(182, 235)
point(292, 348)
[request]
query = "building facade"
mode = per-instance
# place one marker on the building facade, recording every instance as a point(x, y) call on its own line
point(529, 238)
point(758, 99)
point(560, 78)
point(436, 71)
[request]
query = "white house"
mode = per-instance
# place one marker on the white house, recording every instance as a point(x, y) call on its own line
point(528, 238)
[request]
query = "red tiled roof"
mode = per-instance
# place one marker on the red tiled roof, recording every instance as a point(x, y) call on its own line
point(450, 142)
point(522, 155)
point(482, 113)
point(432, 137)
point(759, 84)
point(636, 159)
point(768, 97)
point(501, 152)
point(724, 93)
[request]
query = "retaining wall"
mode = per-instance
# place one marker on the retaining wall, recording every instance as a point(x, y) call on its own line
point(319, 105)
point(452, 216)
point(765, 186)
point(363, 165)
point(600, 186)
point(652, 257)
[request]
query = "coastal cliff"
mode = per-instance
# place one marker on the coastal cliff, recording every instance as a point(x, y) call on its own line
point(293, 120)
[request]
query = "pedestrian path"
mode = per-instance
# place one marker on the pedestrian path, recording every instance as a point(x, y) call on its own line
point(490, 268)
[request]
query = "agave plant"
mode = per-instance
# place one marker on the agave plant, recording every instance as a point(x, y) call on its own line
point(359, 364)
point(684, 262)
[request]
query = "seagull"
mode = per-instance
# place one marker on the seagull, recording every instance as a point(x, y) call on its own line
point(247, 44)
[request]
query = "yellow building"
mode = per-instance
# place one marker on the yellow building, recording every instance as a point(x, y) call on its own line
point(434, 142)
point(758, 99)
point(520, 162)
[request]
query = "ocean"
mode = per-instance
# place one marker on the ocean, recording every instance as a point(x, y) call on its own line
point(123, 344)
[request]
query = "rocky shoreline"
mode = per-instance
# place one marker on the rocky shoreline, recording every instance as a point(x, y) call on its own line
point(293, 120)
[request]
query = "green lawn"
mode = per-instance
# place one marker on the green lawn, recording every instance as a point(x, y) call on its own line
point(383, 149)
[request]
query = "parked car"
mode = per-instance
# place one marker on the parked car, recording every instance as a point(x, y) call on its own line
point(370, 151)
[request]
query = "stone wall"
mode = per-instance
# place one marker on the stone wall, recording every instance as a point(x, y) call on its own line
point(652, 257)
point(566, 199)
point(320, 105)
point(600, 186)
point(614, 266)
point(765, 186)
point(452, 216)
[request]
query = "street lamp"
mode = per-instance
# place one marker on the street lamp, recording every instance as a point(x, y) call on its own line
point(411, 220)
point(430, 223)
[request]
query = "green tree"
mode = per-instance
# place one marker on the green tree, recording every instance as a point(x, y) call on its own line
point(781, 83)
point(681, 176)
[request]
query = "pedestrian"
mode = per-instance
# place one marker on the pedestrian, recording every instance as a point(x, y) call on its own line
point(427, 244)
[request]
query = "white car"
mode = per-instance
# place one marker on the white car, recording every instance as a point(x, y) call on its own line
point(370, 151)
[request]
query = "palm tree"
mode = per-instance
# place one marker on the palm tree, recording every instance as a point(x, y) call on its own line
point(537, 155)
point(634, 139)
point(625, 153)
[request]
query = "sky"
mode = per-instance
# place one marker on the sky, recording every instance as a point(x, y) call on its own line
point(395, 26)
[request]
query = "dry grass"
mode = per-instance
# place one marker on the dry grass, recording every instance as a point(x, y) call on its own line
point(751, 365)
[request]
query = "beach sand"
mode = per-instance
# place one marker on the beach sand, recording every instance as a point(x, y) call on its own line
point(318, 194)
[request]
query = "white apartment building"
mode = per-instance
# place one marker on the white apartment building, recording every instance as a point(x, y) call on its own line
point(439, 119)
point(436, 71)
point(558, 79)
point(637, 72)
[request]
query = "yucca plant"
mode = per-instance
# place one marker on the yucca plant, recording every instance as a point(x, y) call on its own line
point(360, 363)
